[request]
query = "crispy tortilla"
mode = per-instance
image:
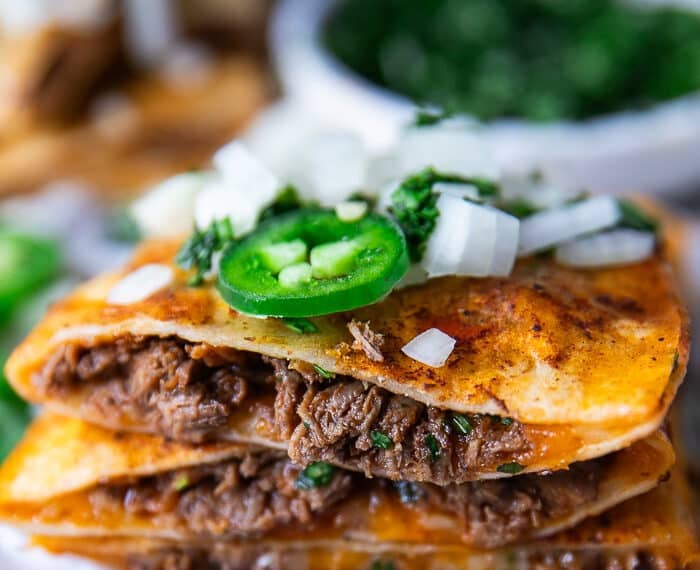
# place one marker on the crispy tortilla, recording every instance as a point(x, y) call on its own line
point(45, 488)
point(588, 361)
point(656, 528)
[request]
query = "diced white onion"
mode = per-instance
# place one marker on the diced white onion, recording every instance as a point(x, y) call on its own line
point(458, 190)
point(217, 201)
point(244, 188)
point(448, 149)
point(334, 165)
point(552, 227)
point(279, 133)
point(167, 210)
point(432, 347)
point(140, 284)
point(533, 189)
point(414, 276)
point(617, 247)
point(351, 211)
point(244, 173)
point(471, 239)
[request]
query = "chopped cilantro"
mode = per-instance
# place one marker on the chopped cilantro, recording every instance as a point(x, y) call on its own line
point(433, 446)
point(632, 216)
point(413, 204)
point(461, 424)
point(382, 565)
point(428, 117)
point(198, 251)
point(316, 474)
point(512, 468)
point(380, 440)
point(520, 208)
point(300, 325)
point(322, 372)
point(287, 201)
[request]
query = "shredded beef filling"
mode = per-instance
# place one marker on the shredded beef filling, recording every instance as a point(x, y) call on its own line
point(233, 498)
point(251, 496)
point(188, 391)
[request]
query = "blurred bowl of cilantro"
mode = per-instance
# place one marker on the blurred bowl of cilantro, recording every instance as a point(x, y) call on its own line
point(599, 93)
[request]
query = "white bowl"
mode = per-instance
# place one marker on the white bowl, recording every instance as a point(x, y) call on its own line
point(655, 151)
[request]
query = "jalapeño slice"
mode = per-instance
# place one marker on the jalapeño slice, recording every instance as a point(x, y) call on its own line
point(310, 263)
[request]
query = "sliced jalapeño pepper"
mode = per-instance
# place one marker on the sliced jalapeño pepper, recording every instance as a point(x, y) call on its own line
point(26, 264)
point(309, 262)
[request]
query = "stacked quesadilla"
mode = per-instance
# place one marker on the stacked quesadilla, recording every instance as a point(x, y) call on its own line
point(194, 422)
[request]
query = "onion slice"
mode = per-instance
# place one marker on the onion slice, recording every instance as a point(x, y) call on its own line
point(140, 284)
point(432, 347)
point(617, 247)
point(551, 227)
point(471, 239)
point(167, 209)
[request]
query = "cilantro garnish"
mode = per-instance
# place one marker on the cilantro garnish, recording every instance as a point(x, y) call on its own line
point(198, 251)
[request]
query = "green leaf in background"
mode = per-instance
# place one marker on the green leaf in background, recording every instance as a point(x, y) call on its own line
point(15, 416)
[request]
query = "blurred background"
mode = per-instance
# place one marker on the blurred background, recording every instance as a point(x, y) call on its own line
point(101, 99)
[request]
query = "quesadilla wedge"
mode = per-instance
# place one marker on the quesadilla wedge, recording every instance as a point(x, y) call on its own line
point(652, 531)
point(70, 478)
point(551, 366)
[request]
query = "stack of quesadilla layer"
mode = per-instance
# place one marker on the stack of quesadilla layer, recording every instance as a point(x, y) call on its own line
point(180, 433)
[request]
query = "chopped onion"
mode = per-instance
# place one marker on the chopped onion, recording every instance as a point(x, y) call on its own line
point(279, 133)
point(458, 190)
point(471, 239)
point(432, 347)
point(414, 276)
point(245, 174)
point(217, 201)
point(533, 189)
point(448, 149)
point(351, 211)
point(617, 247)
point(552, 227)
point(140, 284)
point(334, 165)
point(167, 210)
point(244, 188)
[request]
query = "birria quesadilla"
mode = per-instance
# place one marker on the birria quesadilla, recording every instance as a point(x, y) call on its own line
point(551, 366)
point(71, 479)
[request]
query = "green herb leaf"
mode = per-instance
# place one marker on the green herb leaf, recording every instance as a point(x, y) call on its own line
point(322, 372)
point(500, 419)
point(428, 117)
point(635, 218)
point(382, 565)
point(520, 208)
point(287, 200)
point(461, 424)
point(181, 483)
point(413, 205)
point(316, 474)
point(512, 468)
point(409, 492)
point(433, 446)
point(198, 251)
point(300, 325)
point(380, 440)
